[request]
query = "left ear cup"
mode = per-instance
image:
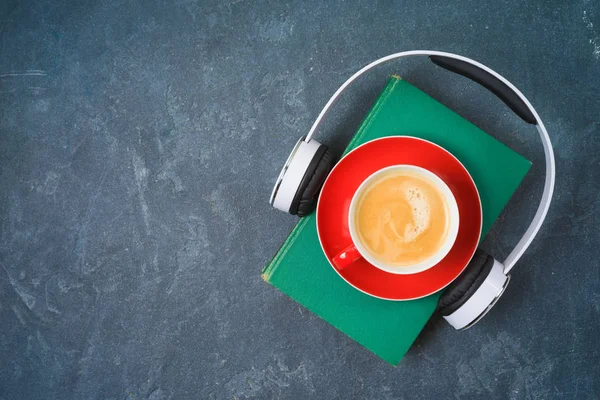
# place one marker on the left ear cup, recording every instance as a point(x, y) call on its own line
point(466, 284)
point(305, 200)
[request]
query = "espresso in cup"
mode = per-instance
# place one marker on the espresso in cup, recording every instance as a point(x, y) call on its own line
point(402, 219)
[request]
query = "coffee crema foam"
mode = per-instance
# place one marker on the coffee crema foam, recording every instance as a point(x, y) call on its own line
point(402, 218)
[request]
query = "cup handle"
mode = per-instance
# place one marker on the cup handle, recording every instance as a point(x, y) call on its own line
point(346, 257)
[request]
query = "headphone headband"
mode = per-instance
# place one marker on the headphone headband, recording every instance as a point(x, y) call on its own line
point(508, 93)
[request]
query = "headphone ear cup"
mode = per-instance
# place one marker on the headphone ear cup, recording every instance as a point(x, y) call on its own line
point(466, 284)
point(307, 194)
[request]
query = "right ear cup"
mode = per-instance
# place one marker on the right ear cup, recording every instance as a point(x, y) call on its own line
point(463, 287)
point(307, 194)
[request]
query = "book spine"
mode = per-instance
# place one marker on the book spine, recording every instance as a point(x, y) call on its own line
point(358, 137)
point(272, 266)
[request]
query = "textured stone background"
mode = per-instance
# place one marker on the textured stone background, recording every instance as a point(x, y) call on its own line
point(138, 144)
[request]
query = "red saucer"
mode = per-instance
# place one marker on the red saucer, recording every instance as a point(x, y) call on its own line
point(355, 167)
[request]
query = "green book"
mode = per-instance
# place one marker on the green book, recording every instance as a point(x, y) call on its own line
point(300, 269)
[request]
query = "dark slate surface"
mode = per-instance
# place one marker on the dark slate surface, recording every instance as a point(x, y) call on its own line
point(138, 144)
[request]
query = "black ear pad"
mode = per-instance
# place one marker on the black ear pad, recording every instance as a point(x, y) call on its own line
point(466, 284)
point(308, 192)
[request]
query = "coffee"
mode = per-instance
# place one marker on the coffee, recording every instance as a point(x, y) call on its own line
point(402, 218)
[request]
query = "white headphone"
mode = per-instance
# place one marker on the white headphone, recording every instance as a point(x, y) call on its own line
point(483, 281)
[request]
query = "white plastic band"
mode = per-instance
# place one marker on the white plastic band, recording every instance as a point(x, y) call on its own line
point(542, 210)
point(540, 214)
